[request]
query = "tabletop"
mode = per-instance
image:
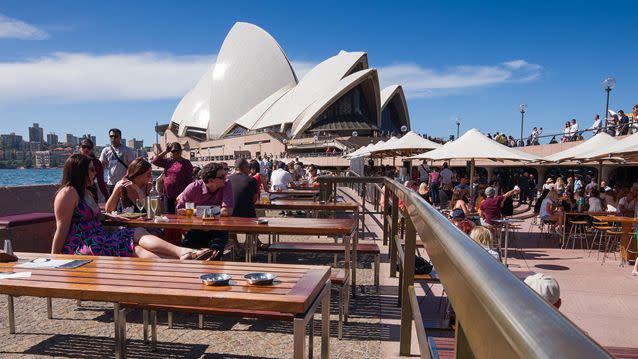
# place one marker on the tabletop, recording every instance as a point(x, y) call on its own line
point(276, 225)
point(169, 282)
point(616, 219)
point(296, 204)
point(508, 220)
point(296, 192)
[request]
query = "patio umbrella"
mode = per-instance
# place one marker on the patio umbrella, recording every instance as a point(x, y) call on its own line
point(474, 145)
point(601, 141)
point(408, 145)
point(618, 151)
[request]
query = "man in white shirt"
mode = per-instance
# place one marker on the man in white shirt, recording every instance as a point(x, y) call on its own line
point(597, 126)
point(116, 158)
point(280, 178)
point(424, 172)
point(573, 130)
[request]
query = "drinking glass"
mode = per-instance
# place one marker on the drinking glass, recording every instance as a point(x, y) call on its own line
point(154, 204)
point(190, 209)
point(140, 202)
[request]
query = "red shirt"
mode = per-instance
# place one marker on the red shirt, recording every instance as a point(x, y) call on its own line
point(177, 175)
point(491, 208)
point(260, 184)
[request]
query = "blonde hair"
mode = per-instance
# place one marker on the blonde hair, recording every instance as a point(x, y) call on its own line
point(481, 235)
point(423, 188)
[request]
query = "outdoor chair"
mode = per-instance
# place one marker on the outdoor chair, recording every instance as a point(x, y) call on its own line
point(600, 236)
point(612, 243)
point(577, 232)
point(628, 249)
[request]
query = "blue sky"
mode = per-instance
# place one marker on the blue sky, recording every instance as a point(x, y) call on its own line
point(78, 67)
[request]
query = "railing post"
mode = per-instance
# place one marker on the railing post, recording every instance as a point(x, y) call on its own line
point(363, 211)
point(407, 281)
point(393, 233)
point(462, 349)
point(386, 206)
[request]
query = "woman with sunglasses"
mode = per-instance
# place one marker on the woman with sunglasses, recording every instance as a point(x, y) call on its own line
point(178, 173)
point(79, 228)
point(86, 148)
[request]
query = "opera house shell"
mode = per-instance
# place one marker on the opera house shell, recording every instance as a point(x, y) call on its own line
point(253, 88)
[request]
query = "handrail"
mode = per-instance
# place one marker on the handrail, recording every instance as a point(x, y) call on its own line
point(488, 300)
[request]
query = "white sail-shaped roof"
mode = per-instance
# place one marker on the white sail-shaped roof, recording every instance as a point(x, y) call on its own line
point(395, 92)
point(475, 145)
point(194, 108)
point(341, 88)
point(250, 67)
point(319, 80)
point(601, 141)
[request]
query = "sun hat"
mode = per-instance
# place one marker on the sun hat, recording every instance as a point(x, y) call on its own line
point(549, 180)
point(490, 191)
point(546, 286)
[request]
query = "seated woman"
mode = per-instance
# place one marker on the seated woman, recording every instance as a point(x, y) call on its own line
point(424, 191)
point(549, 211)
point(458, 206)
point(79, 229)
point(133, 188)
point(311, 176)
point(483, 236)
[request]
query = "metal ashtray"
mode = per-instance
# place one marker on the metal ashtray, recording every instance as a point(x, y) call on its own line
point(262, 220)
point(215, 278)
point(260, 278)
point(322, 202)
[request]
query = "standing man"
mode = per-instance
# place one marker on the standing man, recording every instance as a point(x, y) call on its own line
point(115, 158)
point(573, 130)
point(178, 173)
point(597, 126)
point(623, 129)
point(523, 184)
point(424, 172)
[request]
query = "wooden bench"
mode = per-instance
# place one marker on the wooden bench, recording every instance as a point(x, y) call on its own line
point(24, 219)
point(329, 248)
point(623, 353)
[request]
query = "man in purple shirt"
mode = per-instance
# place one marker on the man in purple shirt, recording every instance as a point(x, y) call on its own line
point(214, 189)
point(178, 173)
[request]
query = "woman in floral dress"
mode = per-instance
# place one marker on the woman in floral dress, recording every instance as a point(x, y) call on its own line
point(79, 228)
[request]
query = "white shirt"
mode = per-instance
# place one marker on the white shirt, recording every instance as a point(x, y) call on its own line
point(624, 204)
point(573, 129)
point(543, 210)
point(112, 166)
point(446, 176)
point(598, 124)
point(280, 178)
point(595, 205)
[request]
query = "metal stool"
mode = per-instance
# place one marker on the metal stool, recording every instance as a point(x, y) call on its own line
point(600, 231)
point(613, 240)
point(576, 231)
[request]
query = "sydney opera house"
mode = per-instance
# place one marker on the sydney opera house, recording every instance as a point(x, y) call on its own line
point(251, 102)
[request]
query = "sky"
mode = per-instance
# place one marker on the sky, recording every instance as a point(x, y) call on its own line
point(84, 67)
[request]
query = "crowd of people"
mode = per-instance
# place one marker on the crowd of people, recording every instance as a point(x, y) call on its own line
point(127, 188)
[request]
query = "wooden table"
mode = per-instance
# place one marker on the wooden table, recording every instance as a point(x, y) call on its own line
point(629, 236)
point(303, 187)
point(275, 225)
point(310, 192)
point(573, 214)
point(298, 291)
point(305, 205)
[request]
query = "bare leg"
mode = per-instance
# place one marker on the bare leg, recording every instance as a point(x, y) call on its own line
point(635, 271)
point(144, 253)
point(156, 245)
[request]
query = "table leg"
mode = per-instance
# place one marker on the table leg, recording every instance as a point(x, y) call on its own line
point(122, 330)
point(116, 325)
point(299, 337)
point(325, 325)
point(153, 330)
point(355, 242)
point(12, 319)
point(145, 327)
point(49, 308)
point(311, 336)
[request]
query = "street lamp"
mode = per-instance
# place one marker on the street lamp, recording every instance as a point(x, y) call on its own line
point(523, 109)
point(608, 84)
point(404, 129)
point(355, 133)
point(458, 126)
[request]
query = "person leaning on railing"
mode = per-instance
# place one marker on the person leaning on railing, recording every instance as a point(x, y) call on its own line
point(79, 227)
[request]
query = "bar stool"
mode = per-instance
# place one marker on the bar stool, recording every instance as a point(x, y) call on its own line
point(613, 241)
point(600, 231)
point(628, 250)
point(576, 231)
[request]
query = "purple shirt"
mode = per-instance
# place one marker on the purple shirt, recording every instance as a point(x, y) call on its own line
point(177, 175)
point(198, 193)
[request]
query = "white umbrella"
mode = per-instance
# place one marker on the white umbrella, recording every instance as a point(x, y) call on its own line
point(475, 145)
point(407, 145)
point(601, 141)
point(360, 151)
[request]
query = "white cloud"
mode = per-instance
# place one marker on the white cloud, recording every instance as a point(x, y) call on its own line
point(16, 29)
point(424, 82)
point(78, 77)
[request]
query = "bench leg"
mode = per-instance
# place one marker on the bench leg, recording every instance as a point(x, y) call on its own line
point(377, 264)
point(299, 338)
point(325, 325)
point(200, 321)
point(340, 306)
point(153, 330)
point(122, 330)
point(116, 329)
point(311, 336)
point(170, 320)
point(49, 308)
point(145, 320)
point(12, 318)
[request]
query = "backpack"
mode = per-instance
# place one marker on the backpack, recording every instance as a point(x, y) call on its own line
point(508, 207)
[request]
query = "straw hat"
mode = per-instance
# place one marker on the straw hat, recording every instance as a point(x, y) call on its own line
point(549, 180)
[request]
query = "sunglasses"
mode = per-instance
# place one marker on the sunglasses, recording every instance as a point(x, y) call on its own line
point(114, 136)
point(87, 147)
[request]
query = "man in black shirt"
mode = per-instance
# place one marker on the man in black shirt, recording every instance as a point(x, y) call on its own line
point(245, 190)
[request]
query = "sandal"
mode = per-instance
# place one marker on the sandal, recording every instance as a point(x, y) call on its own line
point(198, 255)
point(215, 255)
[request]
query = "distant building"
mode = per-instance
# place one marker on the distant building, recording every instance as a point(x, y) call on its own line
point(11, 141)
point(89, 136)
point(59, 156)
point(71, 140)
point(34, 146)
point(135, 144)
point(52, 139)
point(123, 141)
point(42, 159)
point(36, 133)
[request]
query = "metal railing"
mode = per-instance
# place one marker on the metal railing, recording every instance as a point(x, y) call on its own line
point(497, 315)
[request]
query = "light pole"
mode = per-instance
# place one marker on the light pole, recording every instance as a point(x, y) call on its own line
point(458, 126)
point(355, 133)
point(523, 109)
point(608, 84)
point(404, 129)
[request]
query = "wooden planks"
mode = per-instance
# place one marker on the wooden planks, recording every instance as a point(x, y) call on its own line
point(169, 282)
point(275, 225)
point(304, 205)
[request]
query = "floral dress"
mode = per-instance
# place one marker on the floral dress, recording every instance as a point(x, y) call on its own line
point(88, 237)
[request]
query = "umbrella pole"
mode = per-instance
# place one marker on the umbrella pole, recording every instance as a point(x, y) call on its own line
point(600, 171)
point(472, 178)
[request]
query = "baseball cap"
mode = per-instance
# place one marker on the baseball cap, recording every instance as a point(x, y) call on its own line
point(490, 191)
point(546, 286)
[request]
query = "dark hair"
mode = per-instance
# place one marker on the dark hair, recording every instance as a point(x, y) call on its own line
point(175, 146)
point(241, 163)
point(281, 165)
point(116, 131)
point(86, 142)
point(594, 193)
point(138, 167)
point(209, 171)
point(254, 166)
point(76, 173)
point(621, 111)
point(196, 170)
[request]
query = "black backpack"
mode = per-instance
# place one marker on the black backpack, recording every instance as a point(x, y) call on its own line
point(508, 207)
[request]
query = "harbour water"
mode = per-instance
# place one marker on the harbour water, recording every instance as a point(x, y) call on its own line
point(25, 177)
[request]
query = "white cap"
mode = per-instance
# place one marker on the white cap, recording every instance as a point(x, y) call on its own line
point(545, 285)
